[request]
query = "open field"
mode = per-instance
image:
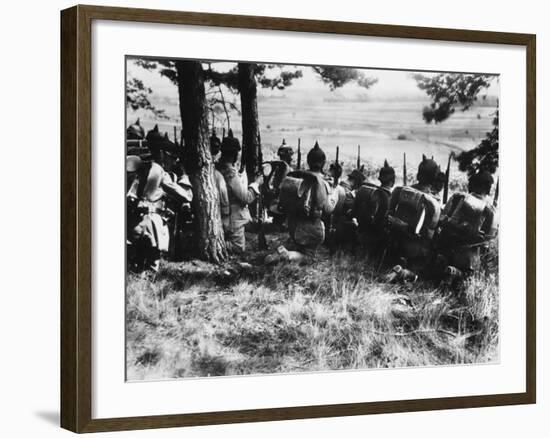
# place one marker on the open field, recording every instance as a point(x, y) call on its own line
point(196, 319)
point(376, 126)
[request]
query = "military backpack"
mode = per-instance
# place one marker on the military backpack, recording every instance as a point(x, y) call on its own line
point(303, 194)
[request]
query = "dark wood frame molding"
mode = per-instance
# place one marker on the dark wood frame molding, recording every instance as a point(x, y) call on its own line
point(76, 196)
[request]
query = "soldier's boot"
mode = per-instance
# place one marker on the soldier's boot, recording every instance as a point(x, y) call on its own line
point(408, 276)
point(399, 274)
point(290, 256)
point(451, 276)
point(439, 265)
point(392, 276)
point(284, 254)
point(272, 259)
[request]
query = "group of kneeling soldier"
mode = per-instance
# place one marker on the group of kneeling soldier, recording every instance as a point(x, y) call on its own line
point(406, 227)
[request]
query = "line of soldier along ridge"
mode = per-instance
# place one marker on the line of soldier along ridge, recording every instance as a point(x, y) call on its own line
point(407, 231)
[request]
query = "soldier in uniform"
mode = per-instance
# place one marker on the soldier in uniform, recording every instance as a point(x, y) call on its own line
point(215, 145)
point(135, 131)
point(147, 215)
point(344, 220)
point(468, 222)
point(239, 194)
point(285, 153)
point(438, 185)
point(277, 173)
point(155, 143)
point(306, 197)
point(371, 210)
point(413, 217)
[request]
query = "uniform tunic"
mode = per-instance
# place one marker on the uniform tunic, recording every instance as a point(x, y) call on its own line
point(308, 232)
point(372, 233)
point(461, 243)
point(346, 227)
point(239, 194)
point(414, 245)
point(147, 231)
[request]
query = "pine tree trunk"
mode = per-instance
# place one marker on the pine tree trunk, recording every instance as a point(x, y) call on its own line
point(250, 123)
point(198, 162)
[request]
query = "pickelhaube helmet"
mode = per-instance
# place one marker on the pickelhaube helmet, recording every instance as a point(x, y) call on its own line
point(427, 171)
point(154, 136)
point(481, 182)
point(135, 131)
point(230, 144)
point(215, 143)
point(154, 142)
point(358, 175)
point(285, 150)
point(316, 158)
point(386, 173)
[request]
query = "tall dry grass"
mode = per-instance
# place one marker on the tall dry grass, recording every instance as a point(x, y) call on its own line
point(195, 319)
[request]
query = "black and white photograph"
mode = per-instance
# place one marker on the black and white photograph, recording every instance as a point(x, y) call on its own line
point(287, 218)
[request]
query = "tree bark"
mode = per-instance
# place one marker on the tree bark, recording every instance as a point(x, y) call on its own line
point(198, 162)
point(250, 123)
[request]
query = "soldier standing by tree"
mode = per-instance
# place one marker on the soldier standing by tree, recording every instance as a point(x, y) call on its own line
point(240, 194)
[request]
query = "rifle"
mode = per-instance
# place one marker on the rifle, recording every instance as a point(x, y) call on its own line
point(332, 230)
point(336, 161)
point(495, 199)
point(358, 156)
point(262, 243)
point(404, 168)
point(447, 174)
point(299, 163)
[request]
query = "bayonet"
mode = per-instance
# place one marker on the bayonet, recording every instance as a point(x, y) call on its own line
point(447, 175)
point(262, 243)
point(495, 199)
point(332, 228)
point(404, 168)
point(337, 164)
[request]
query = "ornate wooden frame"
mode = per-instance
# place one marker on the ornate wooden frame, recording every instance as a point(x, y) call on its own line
point(76, 176)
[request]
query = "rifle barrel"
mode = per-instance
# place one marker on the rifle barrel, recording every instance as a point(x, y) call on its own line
point(404, 168)
point(447, 175)
point(495, 199)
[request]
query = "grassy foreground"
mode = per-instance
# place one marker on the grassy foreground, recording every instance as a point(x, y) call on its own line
point(195, 319)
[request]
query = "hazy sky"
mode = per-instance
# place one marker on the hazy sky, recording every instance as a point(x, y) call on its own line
point(391, 84)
